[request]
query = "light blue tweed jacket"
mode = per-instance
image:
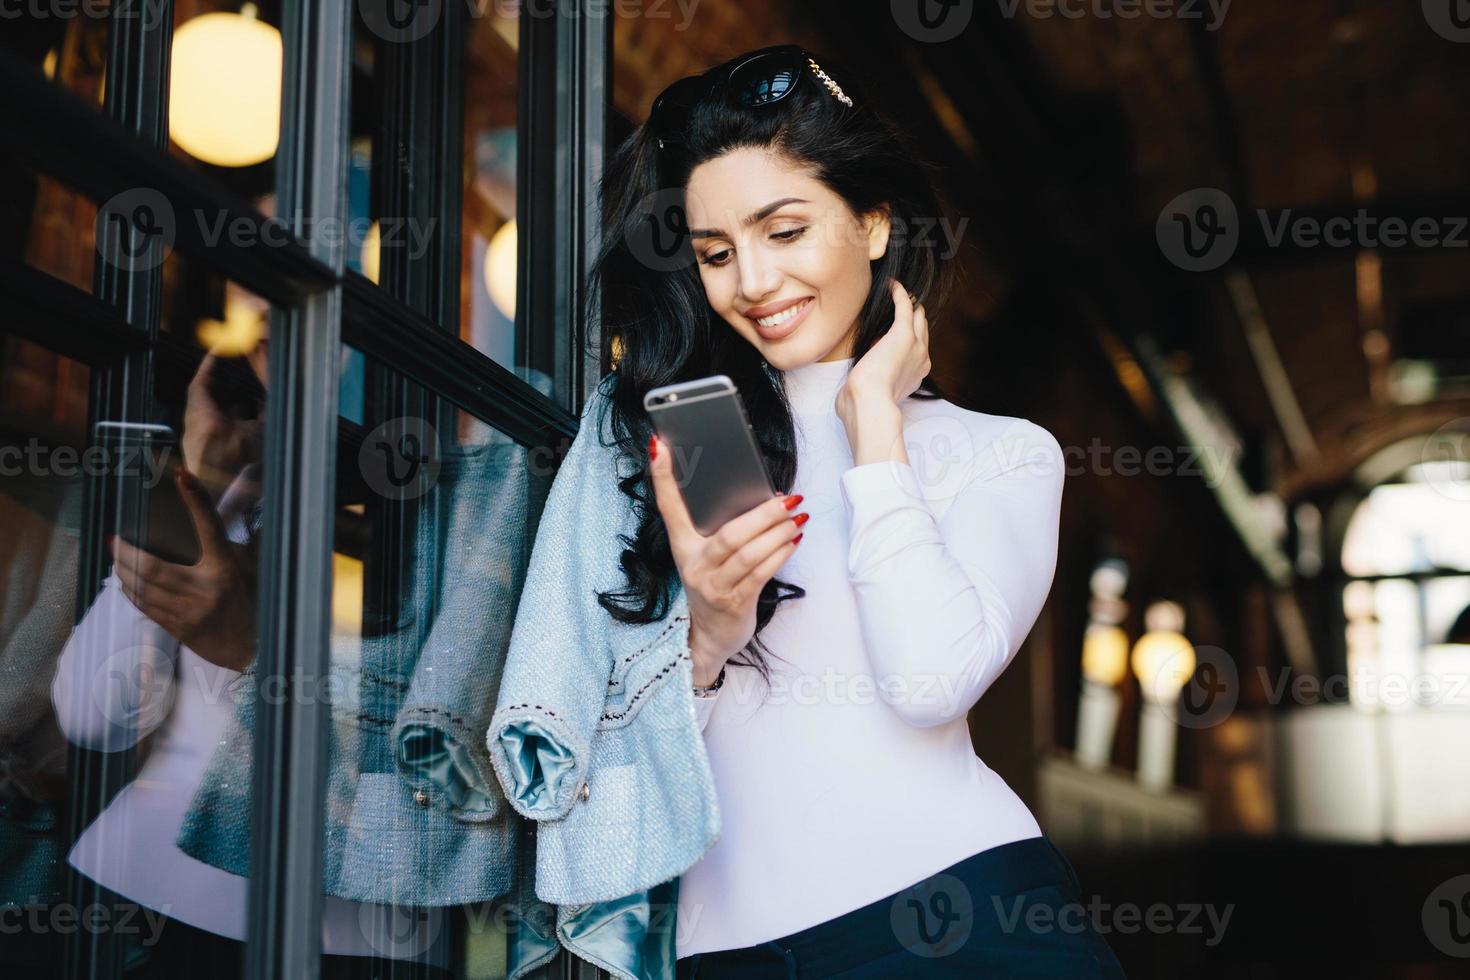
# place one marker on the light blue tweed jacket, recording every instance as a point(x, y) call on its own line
point(594, 735)
point(413, 816)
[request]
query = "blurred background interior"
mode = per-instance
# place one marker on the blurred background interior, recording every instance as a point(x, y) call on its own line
point(1250, 686)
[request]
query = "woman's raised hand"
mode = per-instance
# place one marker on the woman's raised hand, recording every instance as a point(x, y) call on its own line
point(895, 365)
point(723, 573)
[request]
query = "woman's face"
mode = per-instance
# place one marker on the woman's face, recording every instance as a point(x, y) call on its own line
point(783, 259)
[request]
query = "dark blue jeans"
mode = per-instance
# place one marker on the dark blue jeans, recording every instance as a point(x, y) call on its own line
point(1011, 911)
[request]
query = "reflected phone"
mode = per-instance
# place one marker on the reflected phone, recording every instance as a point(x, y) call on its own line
point(149, 512)
point(717, 463)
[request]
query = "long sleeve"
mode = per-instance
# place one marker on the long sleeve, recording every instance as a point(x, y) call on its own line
point(703, 707)
point(114, 680)
point(944, 603)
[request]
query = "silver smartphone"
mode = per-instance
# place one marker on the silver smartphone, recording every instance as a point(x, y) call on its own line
point(717, 463)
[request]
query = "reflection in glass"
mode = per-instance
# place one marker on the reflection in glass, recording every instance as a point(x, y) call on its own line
point(42, 420)
point(437, 515)
point(158, 674)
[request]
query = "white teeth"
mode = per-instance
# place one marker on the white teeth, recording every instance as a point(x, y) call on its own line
point(777, 319)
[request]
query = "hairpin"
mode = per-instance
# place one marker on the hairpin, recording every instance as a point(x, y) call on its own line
point(832, 86)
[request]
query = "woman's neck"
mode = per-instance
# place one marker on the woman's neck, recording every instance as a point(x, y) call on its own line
point(812, 388)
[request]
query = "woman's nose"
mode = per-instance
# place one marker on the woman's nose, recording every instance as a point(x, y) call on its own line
point(759, 278)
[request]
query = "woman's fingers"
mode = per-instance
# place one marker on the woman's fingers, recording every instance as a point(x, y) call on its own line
point(137, 573)
point(903, 305)
point(213, 541)
point(666, 493)
point(768, 567)
point(740, 531)
point(757, 551)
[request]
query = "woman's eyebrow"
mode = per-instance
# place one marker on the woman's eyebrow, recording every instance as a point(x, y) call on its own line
point(758, 216)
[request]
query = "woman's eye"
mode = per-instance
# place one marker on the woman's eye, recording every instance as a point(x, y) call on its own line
point(718, 258)
point(790, 234)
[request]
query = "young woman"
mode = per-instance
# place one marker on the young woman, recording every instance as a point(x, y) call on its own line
point(862, 836)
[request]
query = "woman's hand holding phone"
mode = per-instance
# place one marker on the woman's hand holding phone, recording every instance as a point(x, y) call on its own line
point(208, 606)
point(723, 573)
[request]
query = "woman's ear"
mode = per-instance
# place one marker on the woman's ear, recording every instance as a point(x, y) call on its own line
point(877, 224)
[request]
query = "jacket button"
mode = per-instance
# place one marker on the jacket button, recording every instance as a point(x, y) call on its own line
point(585, 792)
point(420, 797)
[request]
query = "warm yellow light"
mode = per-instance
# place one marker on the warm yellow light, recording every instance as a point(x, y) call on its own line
point(225, 89)
point(346, 594)
point(372, 253)
point(1104, 654)
point(1163, 662)
point(48, 66)
point(500, 269)
point(236, 335)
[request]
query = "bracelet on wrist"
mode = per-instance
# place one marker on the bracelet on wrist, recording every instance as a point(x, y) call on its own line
point(709, 692)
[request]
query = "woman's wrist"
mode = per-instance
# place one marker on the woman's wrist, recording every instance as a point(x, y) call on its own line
point(874, 426)
point(707, 666)
point(706, 669)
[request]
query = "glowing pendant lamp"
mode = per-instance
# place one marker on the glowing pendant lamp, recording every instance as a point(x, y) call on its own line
point(225, 88)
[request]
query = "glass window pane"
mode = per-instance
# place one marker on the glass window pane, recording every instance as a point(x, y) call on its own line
point(66, 43)
point(151, 686)
point(43, 415)
point(486, 276)
point(46, 224)
point(488, 296)
point(437, 512)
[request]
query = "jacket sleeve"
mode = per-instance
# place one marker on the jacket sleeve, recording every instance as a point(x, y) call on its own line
point(944, 604)
point(438, 735)
point(114, 680)
point(559, 658)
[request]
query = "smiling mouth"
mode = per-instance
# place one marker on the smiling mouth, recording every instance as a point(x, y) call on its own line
point(776, 319)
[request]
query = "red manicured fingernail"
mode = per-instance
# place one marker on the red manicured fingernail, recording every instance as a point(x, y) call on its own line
point(793, 500)
point(652, 448)
point(801, 519)
point(798, 537)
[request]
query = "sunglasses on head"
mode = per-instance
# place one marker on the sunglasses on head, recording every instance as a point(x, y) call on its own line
point(761, 79)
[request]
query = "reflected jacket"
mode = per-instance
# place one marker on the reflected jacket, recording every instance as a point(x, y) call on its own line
point(413, 814)
point(595, 736)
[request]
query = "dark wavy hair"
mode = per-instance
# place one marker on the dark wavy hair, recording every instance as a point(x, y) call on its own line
point(661, 323)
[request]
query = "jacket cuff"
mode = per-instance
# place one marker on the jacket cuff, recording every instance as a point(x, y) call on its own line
point(540, 761)
point(434, 752)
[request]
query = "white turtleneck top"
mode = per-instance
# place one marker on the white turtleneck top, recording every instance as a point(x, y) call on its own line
point(852, 775)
